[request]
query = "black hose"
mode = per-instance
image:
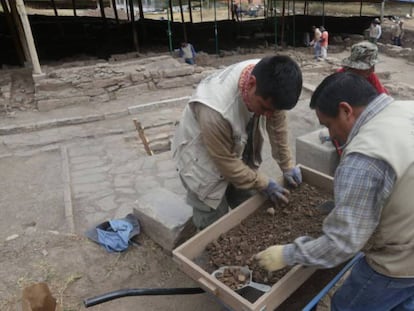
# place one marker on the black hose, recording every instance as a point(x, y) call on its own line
point(89, 302)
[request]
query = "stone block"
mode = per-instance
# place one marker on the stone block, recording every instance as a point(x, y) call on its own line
point(132, 91)
point(310, 151)
point(178, 71)
point(165, 217)
point(172, 102)
point(52, 85)
point(174, 82)
point(50, 104)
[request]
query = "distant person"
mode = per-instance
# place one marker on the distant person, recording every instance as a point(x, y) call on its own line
point(375, 31)
point(373, 192)
point(324, 42)
point(187, 53)
point(397, 32)
point(218, 142)
point(316, 42)
point(235, 12)
point(364, 56)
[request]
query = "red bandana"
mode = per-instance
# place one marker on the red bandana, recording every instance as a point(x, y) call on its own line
point(244, 81)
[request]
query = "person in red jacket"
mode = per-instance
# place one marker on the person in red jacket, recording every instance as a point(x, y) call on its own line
point(364, 56)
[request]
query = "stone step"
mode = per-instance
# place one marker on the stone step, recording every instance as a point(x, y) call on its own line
point(165, 217)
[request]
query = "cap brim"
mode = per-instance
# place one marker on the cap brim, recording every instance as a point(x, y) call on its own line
point(356, 65)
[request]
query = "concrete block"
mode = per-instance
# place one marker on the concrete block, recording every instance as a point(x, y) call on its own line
point(165, 217)
point(310, 151)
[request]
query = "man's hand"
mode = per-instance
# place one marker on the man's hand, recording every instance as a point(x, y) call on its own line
point(276, 192)
point(293, 176)
point(271, 258)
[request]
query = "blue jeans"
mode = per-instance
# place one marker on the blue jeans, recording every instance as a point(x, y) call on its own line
point(317, 48)
point(367, 290)
point(189, 61)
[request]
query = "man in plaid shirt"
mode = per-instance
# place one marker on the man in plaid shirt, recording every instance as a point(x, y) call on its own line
point(374, 198)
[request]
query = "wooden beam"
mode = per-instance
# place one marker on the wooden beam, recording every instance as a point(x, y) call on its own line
point(190, 11)
point(282, 36)
point(171, 11)
point(29, 37)
point(115, 11)
point(102, 8)
point(180, 3)
point(20, 31)
point(141, 11)
point(201, 11)
point(134, 30)
point(54, 7)
point(15, 36)
point(74, 7)
point(142, 136)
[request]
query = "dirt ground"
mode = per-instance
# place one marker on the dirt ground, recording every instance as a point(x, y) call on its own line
point(76, 268)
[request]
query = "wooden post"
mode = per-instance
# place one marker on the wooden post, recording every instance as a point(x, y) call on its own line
point(29, 37)
point(74, 7)
point(12, 28)
point(143, 138)
point(102, 8)
point(182, 20)
point(141, 11)
point(115, 11)
point(190, 11)
point(134, 30)
point(201, 11)
point(54, 7)
point(282, 36)
point(20, 31)
point(171, 11)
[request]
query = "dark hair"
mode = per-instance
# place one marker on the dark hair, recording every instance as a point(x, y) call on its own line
point(342, 87)
point(280, 79)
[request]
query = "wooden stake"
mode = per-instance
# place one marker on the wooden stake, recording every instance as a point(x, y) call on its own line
point(144, 139)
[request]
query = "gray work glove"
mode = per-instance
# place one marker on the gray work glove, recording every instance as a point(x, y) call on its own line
point(276, 192)
point(293, 176)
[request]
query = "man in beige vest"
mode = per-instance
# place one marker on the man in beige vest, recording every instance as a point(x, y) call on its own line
point(218, 143)
point(374, 198)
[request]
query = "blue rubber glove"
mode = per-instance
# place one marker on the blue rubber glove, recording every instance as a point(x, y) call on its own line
point(293, 176)
point(276, 192)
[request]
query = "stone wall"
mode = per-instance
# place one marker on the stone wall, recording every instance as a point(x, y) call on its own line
point(100, 82)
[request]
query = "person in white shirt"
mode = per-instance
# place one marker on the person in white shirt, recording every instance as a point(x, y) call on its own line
point(375, 31)
point(188, 53)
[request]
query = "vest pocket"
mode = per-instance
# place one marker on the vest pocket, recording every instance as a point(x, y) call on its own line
point(199, 172)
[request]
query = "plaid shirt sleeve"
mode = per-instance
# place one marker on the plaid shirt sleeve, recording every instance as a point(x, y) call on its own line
point(361, 187)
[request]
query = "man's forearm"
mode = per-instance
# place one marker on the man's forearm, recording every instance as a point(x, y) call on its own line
point(278, 135)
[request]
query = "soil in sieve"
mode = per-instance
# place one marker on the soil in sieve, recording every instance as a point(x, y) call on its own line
point(263, 228)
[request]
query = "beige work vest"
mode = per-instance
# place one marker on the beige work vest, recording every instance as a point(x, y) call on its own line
point(219, 92)
point(389, 136)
